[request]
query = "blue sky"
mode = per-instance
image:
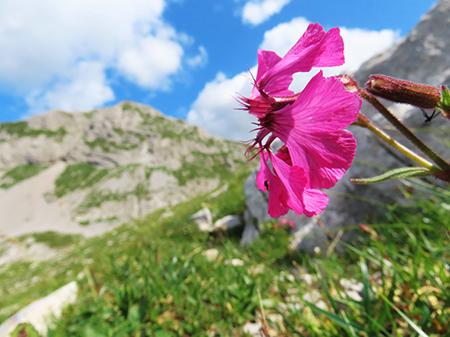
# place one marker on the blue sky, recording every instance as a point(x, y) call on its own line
point(186, 58)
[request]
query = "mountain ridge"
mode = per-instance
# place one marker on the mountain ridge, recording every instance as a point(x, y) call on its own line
point(88, 172)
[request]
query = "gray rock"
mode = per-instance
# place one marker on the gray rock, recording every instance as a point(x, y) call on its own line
point(41, 312)
point(227, 222)
point(256, 200)
point(250, 233)
point(252, 329)
point(203, 219)
point(352, 289)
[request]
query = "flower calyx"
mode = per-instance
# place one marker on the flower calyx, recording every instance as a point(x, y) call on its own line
point(401, 91)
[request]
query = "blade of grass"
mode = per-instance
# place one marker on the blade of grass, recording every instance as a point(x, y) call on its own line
point(411, 323)
point(366, 287)
point(350, 328)
point(378, 325)
point(325, 288)
point(335, 318)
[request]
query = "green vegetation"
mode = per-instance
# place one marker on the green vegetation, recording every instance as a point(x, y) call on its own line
point(151, 277)
point(129, 140)
point(97, 197)
point(25, 330)
point(21, 129)
point(90, 114)
point(18, 174)
point(203, 165)
point(171, 128)
point(53, 239)
point(127, 106)
point(78, 176)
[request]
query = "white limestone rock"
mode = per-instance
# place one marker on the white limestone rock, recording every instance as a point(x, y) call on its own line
point(227, 222)
point(41, 312)
point(203, 219)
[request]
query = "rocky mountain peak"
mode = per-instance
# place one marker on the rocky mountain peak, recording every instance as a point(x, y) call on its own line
point(127, 133)
point(86, 171)
point(422, 56)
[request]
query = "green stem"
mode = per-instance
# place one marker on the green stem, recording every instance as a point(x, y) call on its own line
point(404, 130)
point(366, 123)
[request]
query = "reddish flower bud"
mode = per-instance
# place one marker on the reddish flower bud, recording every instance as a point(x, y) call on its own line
point(393, 89)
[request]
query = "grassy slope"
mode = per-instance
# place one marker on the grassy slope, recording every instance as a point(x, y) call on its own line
point(150, 276)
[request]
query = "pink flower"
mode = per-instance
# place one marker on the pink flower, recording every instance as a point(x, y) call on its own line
point(317, 151)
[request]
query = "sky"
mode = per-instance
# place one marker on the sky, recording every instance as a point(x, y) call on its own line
point(186, 58)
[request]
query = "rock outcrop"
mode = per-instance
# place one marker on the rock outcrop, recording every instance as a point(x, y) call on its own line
point(89, 171)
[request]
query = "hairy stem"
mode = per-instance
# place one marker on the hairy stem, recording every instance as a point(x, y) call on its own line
point(363, 121)
point(404, 130)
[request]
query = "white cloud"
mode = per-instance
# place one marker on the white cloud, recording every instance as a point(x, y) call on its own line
point(200, 59)
point(214, 108)
point(86, 88)
point(211, 109)
point(258, 11)
point(362, 44)
point(283, 36)
point(42, 42)
point(150, 62)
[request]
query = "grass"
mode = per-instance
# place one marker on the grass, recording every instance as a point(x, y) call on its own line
point(151, 278)
point(78, 176)
point(128, 140)
point(97, 197)
point(52, 239)
point(18, 174)
point(203, 165)
point(21, 129)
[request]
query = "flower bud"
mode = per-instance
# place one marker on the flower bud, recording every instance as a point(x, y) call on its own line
point(401, 91)
point(350, 84)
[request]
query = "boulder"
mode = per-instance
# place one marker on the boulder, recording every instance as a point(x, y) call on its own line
point(203, 220)
point(227, 222)
point(41, 312)
point(250, 232)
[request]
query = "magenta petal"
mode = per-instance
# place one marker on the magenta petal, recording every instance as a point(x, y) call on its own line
point(315, 201)
point(331, 50)
point(266, 60)
point(277, 197)
point(323, 106)
point(263, 174)
point(277, 191)
point(294, 181)
point(324, 156)
point(314, 49)
point(311, 128)
point(287, 189)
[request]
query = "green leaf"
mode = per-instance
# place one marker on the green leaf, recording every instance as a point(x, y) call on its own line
point(411, 323)
point(400, 173)
point(445, 101)
point(335, 318)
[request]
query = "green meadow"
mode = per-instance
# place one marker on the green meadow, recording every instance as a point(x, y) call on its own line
point(152, 277)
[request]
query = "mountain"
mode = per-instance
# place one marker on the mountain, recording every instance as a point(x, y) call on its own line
point(87, 172)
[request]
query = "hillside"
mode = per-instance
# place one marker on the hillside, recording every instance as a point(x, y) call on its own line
point(87, 172)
